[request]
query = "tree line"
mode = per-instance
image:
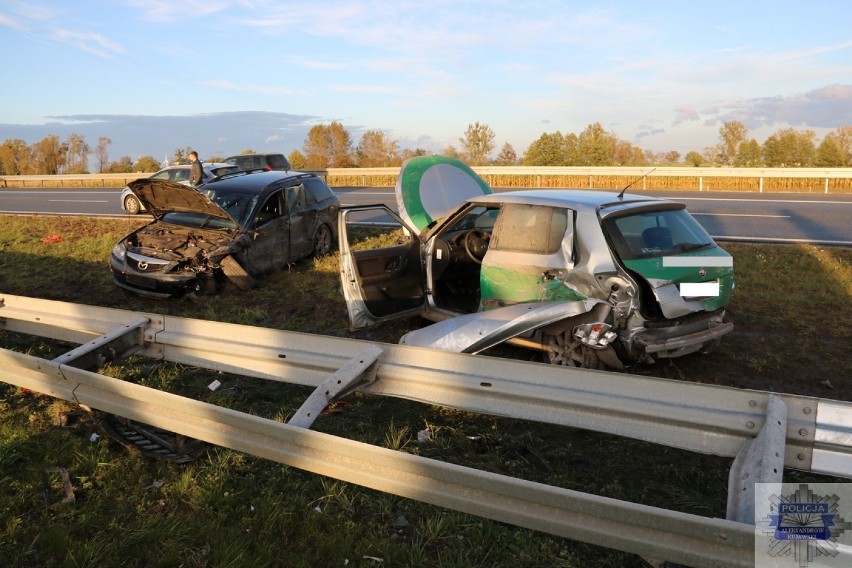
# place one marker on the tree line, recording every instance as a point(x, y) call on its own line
point(331, 146)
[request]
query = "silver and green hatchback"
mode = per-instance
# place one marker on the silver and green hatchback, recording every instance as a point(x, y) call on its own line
point(592, 278)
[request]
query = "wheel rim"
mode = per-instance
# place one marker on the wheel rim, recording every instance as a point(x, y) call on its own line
point(131, 205)
point(564, 349)
point(322, 241)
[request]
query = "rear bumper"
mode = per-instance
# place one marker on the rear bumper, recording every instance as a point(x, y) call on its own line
point(683, 344)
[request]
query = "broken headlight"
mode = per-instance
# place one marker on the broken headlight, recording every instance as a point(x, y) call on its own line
point(119, 251)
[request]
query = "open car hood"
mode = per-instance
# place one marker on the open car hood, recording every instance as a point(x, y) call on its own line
point(429, 187)
point(160, 197)
point(472, 333)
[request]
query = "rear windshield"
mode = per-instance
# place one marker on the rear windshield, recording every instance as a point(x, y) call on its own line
point(652, 234)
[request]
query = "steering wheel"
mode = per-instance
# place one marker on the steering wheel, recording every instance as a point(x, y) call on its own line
point(476, 244)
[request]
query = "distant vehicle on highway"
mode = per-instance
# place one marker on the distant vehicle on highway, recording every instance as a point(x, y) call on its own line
point(249, 162)
point(176, 174)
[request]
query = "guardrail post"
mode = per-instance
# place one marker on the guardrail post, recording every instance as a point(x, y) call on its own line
point(760, 460)
point(826, 185)
point(761, 184)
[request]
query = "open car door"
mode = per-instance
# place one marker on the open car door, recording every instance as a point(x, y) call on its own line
point(381, 269)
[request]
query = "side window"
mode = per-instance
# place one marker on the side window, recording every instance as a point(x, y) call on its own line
point(277, 162)
point(530, 228)
point(296, 197)
point(270, 210)
point(162, 175)
point(181, 175)
point(318, 189)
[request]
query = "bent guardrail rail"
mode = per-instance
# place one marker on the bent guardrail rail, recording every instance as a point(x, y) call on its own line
point(815, 435)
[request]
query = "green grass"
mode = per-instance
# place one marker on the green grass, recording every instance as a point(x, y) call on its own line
point(793, 325)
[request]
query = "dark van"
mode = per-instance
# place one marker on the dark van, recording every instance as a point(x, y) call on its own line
point(249, 162)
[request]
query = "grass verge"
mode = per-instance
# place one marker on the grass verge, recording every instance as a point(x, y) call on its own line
point(793, 319)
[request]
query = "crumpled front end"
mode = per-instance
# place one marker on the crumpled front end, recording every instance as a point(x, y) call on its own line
point(160, 263)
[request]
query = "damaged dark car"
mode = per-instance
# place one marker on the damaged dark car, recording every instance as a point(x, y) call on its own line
point(231, 229)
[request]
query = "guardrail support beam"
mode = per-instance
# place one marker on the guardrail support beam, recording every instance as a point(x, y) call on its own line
point(357, 372)
point(115, 344)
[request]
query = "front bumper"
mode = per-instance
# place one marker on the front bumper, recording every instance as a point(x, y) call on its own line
point(151, 284)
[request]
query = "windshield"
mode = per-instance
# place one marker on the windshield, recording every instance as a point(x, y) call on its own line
point(237, 205)
point(652, 234)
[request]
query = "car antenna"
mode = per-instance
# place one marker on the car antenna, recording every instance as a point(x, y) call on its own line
point(621, 195)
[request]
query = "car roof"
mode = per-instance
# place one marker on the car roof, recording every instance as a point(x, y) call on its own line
point(203, 164)
point(253, 182)
point(577, 199)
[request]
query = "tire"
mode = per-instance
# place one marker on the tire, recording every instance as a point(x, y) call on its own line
point(132, 205)
point(236, 274)
point(322, 241)
point(564, 349)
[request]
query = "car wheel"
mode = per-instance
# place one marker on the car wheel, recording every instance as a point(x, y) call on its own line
point(236, 273)
point(565, 349)
point(322, 241)
point(132, 205)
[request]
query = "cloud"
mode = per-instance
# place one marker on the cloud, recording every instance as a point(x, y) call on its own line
point(170, 11)
point(652, 132)
point(258, 89)
point(826, 107)
point(684, 113)
point(11, 22)
point(92, 43)
point(370, 89)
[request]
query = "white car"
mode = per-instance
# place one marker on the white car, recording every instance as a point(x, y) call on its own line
point(177, 174)
point(592, 278)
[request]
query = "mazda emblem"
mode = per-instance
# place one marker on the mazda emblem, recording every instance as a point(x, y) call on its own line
point(144, 266)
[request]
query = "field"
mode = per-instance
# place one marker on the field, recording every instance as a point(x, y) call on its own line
point(793, 320)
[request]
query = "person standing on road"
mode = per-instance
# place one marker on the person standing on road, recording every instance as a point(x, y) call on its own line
point(195, 171)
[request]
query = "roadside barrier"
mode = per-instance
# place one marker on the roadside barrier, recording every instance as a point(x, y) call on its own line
point(763, 431)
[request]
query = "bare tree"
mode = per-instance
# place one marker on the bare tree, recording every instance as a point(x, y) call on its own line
point(507, 155)
point(102, 153)
point(78, 154)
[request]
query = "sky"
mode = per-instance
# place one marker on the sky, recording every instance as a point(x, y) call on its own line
point(223, 76)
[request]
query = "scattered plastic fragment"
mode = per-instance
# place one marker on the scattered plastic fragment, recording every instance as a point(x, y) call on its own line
point(94, 437)
point(424, 436)
point(49, 239)
point(214, 385)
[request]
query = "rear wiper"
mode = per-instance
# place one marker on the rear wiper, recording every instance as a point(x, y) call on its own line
point(686, 247)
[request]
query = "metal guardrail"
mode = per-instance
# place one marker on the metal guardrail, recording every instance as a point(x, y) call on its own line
point(381, 176)
point(815, 435)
